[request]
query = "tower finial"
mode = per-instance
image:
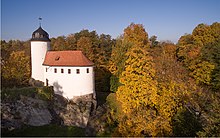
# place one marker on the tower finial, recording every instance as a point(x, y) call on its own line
point(40, 21)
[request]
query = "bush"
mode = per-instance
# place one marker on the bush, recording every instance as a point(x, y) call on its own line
point(186, 124)
point(47, 130)
point(43, 93)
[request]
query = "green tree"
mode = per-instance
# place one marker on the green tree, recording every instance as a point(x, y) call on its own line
point(186, 124)
point(153, 41)
point(71, 42)
point(104, 50)
point(58, 43)
point(117, 62)
point(211, 54)
point(210, 114)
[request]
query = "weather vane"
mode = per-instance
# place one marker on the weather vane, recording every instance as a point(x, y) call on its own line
point(40, 21)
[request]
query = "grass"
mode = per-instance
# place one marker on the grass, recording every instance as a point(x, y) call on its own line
point(43, 93)
point(47, 130)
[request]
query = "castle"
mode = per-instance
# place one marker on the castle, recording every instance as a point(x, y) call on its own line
point(70, 73)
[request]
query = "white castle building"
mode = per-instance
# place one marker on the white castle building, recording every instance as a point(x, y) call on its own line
point(69, 72)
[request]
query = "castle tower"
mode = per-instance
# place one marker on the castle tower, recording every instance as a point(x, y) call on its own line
point(40, 44)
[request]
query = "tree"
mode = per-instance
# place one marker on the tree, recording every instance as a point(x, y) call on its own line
point(186, 124)
point(210, 114)
point(136, 34)
point(58, 43)
point(117, 62)
point(145, 111)
point(137, 94)
point(202, 35)
point(198, 52)
point(174, 86)
point(211, 54)
point(104, 50)
point(153, 40)
point(85, 44)
point(16, 70)
point(201, 72)
point(71, 42)
point(133, 34)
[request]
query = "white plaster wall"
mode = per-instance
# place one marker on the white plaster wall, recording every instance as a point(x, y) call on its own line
point(70, 85)
point(38, 52)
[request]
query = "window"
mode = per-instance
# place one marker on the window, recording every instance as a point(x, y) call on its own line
point(46, 69)
point(47, 82)
point(77, 71)
point(62, 71)
point(87, 70)
point(55, 70)
point(57, 58)
point(69, 71)
point(37, 35)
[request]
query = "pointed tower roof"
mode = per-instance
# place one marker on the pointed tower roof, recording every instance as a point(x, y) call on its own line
point(40, 35)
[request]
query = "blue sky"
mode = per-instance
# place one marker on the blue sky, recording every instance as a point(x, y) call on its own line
point(167, 19)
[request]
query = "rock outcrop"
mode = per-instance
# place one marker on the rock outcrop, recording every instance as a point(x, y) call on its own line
point(26, 110)
point(33, 111)
point(74, 112)
point(97, 121)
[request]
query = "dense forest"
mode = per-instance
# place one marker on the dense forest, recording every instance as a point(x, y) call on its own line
point(157, 88)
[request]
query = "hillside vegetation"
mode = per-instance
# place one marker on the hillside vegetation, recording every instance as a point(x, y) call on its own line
point(157, 88)
point(45, 131)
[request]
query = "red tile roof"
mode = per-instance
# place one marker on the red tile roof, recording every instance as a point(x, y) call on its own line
point(66, 58)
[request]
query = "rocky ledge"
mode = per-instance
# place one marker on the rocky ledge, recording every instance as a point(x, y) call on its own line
point(35, 111)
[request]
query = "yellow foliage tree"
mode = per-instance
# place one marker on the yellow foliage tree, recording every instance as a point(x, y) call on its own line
point(202, 72)
point(16, 70)
point(85, 44)
point(136, 34)
point(138, 94)
point(133, 34)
